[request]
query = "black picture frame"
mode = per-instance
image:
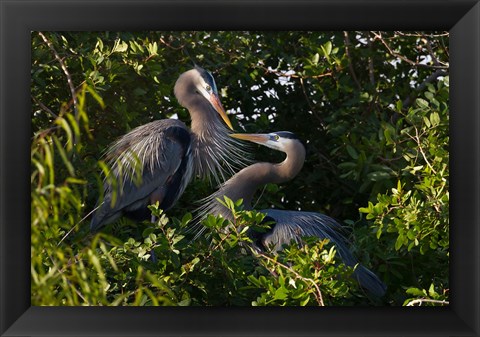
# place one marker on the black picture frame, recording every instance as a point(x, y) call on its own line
point(18, 18)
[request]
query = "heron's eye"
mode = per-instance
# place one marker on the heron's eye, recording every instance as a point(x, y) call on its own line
point(276, 137)
point(209, 88)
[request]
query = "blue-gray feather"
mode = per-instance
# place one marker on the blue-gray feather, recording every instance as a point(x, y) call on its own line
point(295, 225)
point(162, 160)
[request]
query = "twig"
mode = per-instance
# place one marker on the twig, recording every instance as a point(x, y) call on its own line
point(170, 46)
point(428, 45)
point(78, 223)
point(43, 107)
point(317, 293)
point(260, 196)
point(67, 74)
point(45, 132)
point(61, 271)
point(420, 34)
point(417, 140)
point(312, 107)
point(420, 301)
point(216, 247)
point(387, 160)
point(371, 74)
point(73, 260)
point(349, 57)
point(393, 53)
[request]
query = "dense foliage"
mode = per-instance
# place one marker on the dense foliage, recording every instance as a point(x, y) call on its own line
point(371, 107)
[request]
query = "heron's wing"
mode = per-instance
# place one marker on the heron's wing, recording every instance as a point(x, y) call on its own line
point(293, 225)
point(152, 159)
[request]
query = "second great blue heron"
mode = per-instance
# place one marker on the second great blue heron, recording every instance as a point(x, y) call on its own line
point(155, 162)
point(287, 225)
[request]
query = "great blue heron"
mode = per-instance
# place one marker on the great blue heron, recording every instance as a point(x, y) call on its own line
point(287, 225)
point(156, 161)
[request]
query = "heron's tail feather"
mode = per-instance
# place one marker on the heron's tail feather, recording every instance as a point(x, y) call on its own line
point(368, 280)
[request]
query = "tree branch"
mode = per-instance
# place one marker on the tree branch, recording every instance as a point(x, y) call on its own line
point(409, 100)
point(420, 301)
point(350, 65)
point(317, 293)
point(312, 107)
point(403, 58)
point(44, 107)
point(428, 45)
point(67, 74)
point(417, 140)
point(371, 73)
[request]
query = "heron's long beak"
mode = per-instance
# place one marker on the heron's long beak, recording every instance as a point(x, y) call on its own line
point(258, 138)
point(219, 108)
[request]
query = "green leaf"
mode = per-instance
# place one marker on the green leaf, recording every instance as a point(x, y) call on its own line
point(399, 242)
point(429, 95)
point(446, 80)
point(327, 48)
point(388, 136)
point(352, 152)
point(281, 293)
point(305, 301)
point(187, 217)
point(119, 47)
point(426, 121)
point(96, 96)
point(64, 157)
point(416, 292)
point(434, 118)
point(431, 291)
point(399, 105)
point(421, 103)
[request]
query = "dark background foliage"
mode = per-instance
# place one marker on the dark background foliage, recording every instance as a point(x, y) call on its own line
point(371, 108)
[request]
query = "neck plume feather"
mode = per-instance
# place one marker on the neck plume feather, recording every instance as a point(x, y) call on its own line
point(216, 154)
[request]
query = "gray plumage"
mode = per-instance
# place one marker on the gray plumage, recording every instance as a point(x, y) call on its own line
point(156, 161)
point(294, 225)
point(289, 226)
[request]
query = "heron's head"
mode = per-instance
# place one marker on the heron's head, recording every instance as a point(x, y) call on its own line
point(199, 81)
point(279, 140)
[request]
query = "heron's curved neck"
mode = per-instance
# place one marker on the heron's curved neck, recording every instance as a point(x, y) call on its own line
point(245, 183)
